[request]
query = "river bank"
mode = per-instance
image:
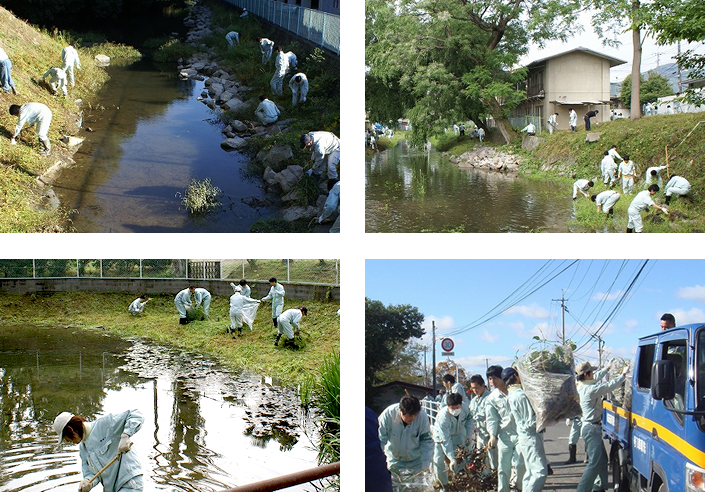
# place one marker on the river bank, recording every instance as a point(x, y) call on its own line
point(565, 156)
point(255, 351)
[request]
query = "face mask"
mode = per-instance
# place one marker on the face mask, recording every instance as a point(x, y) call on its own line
point(454, 412)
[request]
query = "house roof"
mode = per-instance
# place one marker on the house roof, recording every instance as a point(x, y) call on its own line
point(405, 385)
point(613, 61)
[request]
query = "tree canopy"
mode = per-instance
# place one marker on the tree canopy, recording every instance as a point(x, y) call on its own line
point(651, 89)
point(388, 330)
point(443, 61)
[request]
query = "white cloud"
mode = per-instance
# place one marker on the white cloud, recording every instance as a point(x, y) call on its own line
point(683, 317)
point(489, 337)
point(442, 324)
point(603, 296)
point(695, 293)
point(631, 323)
point(530, 311)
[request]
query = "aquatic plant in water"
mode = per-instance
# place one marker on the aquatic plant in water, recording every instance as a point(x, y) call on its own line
point(200, 196)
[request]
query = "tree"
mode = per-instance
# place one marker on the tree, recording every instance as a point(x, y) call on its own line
point(443, 61)
point(615, 16)
point(681, 21)
point(448, 367)
point(651, 89)
point(386, 328)
point(406, 364)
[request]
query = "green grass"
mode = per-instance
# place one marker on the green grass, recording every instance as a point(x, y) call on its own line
point(32, 51)
point(255, 351)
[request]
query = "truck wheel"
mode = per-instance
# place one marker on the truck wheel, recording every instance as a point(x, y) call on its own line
point(620, 479)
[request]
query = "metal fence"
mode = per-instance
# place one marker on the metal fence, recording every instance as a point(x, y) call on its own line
point(313, 271)
point(320, 28)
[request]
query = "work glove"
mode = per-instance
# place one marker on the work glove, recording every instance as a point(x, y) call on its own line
point(454, 465)
point(125, 443)
point(85, 486)
point(13, 142)
point(625, 370)
point(492, 442)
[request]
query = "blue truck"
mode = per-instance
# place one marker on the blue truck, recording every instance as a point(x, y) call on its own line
point(656, 441)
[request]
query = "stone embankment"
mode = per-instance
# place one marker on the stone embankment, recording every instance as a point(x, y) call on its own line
point(225, 92)
point(487, 158)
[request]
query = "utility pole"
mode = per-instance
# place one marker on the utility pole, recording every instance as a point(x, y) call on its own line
point(425, 370)
point(487, 363)
point(562, 299)
point(600, 345)
point(433, 325)
point(680, 78)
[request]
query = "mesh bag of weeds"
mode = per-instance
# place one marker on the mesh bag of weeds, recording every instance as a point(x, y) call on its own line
point(547, 374)
point(622, 396)
point(406, 481)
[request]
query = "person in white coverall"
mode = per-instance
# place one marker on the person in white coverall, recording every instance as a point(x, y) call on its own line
point(239, 305)
point(69, 57)
point(137, 305)
point(6, 82)
point(605, 201)
point(530, 129)
point(203, 297)
point(453, 428)
point(502, 432)
point(676, 185)
point(405, 437)
point(552, 123)
point(575, 425)
point(276, 294)
point(582, 185)
point(325, 152)
point(614, 154)
point(530, 443)
point(265, 47)
point(331, 206)
point(267, 112)
point(591, 394)
point(573, 120)
point(33, 114)
point(244, 288)
point(642, 201)
point(288, 324)
point(293, 62)
point(233, 39)
point(299, 88)
point(184, 301)
point(57, 80)
point(653, 176)
point(607, 169)
point(98, 443)
point(452, 386)
point(478, 411)
point(627, 170)
point(480, 134)
point(281, 67)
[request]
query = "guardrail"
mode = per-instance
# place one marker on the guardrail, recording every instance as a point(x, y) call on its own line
point(320, 28)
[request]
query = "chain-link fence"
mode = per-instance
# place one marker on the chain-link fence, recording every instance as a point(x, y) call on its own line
point(320, 28)
point(313, 271)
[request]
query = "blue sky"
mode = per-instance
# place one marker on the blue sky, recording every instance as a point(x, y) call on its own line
point(458, 294)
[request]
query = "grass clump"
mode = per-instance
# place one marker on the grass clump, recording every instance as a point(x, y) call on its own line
point(201, 196)
point(167, 49)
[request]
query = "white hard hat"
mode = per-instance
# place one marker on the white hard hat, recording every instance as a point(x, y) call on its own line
point(60, 422)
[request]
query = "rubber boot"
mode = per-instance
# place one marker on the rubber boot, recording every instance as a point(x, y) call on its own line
point(630, 230)
point(183, 321)
point(289, 342)
point(549, 470)
point(276, 340)
point(274, 320)
point(239, 332)
point(572, 450)
point(668, 200)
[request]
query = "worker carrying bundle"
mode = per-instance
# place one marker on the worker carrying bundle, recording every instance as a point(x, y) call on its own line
point(622, 395)
point(547, 373)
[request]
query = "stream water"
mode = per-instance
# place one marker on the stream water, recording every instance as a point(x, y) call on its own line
point(205, 428)
point(408, 190)
point(151, 137)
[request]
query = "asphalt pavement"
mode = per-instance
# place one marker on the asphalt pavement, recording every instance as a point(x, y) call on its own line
point(565, 477)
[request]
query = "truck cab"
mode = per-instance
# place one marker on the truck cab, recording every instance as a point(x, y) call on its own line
point(657, 443)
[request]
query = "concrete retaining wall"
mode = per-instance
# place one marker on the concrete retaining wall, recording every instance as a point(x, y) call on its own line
point(302, 291)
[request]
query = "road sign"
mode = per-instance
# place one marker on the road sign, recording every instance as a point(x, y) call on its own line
point(447, 345)
point(447, 354)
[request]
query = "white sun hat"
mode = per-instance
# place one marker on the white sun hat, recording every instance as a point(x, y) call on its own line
point(60, 422)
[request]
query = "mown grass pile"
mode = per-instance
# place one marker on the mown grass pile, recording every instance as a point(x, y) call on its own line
point(32, 52)
point(255, 351)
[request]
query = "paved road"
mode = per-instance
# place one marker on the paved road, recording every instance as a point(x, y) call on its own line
point(565, 477)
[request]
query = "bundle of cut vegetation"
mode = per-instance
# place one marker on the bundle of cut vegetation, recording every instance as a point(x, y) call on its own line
point(471, 474)
point(622, 396)
point(547, 372)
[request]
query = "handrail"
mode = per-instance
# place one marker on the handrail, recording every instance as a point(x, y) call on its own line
point(290, 480)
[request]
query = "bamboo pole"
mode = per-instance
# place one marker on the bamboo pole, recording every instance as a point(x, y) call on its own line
point(290, 480)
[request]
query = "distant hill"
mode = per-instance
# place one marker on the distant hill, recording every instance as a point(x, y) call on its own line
point(669, 70)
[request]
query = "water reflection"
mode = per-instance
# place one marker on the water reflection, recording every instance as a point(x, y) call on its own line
point(205, 428)
point(412, 191)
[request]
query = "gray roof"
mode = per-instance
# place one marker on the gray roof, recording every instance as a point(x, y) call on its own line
point(613, 61)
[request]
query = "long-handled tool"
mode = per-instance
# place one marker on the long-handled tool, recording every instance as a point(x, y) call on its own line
point(117, 456)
